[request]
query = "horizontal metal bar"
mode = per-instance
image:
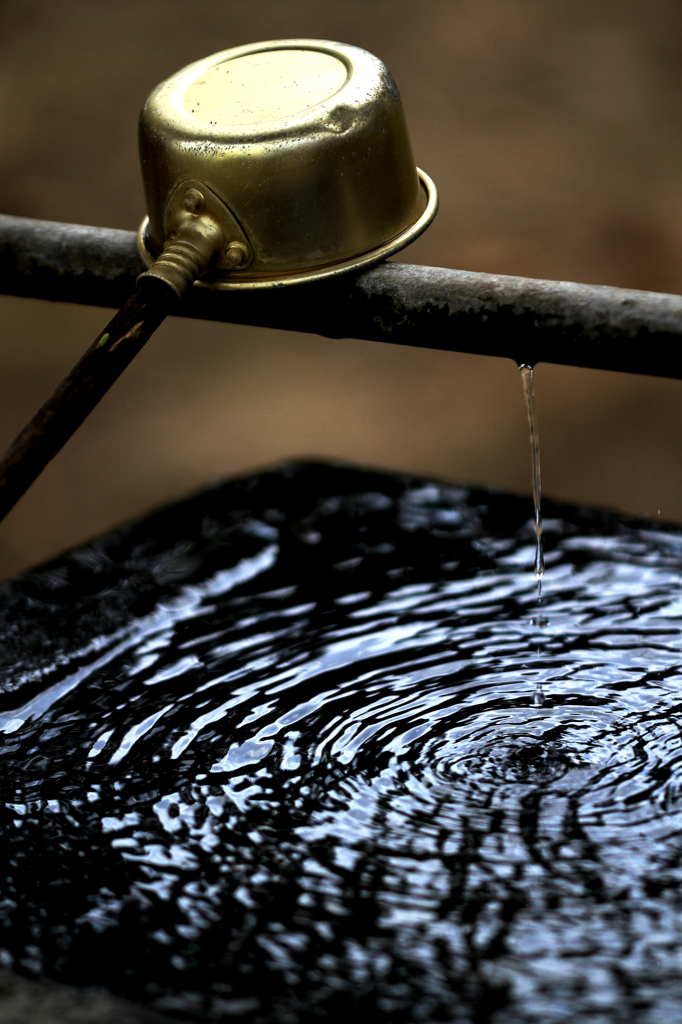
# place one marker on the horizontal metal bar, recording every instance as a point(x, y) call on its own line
point(526, 320)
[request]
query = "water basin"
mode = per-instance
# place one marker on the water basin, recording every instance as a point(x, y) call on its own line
point(272, 755)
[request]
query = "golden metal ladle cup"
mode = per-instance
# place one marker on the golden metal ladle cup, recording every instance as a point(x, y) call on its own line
point(297, 148)
point(264, 166)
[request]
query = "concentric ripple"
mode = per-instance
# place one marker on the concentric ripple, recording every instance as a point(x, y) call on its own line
point(303, 776)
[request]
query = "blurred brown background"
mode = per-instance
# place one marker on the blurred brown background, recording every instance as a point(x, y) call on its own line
point(552, 128)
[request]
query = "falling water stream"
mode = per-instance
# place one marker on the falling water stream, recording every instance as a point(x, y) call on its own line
point(534, 432)
point(269, 756)
point(538, 619)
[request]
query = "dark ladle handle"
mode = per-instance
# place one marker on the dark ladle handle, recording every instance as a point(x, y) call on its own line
point(78, 394)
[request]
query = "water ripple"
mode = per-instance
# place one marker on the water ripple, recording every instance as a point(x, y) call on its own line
point(314, 782)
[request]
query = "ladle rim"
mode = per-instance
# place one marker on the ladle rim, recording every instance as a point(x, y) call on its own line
point(232, 280)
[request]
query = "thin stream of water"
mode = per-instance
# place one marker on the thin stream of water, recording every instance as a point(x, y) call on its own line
point(529, 396)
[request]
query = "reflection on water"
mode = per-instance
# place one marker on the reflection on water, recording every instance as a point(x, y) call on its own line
point(289, 767)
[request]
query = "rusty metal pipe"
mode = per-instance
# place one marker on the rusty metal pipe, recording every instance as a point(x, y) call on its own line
point(527, 320)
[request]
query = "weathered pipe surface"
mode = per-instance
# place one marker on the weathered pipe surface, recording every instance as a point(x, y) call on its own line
point(488, 314)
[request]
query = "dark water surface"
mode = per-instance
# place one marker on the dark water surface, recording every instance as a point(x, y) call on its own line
point(272, 755)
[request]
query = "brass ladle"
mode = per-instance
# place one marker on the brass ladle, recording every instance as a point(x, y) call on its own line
point(264, 166)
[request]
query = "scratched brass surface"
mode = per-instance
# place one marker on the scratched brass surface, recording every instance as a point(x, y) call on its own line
point(304, 141)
